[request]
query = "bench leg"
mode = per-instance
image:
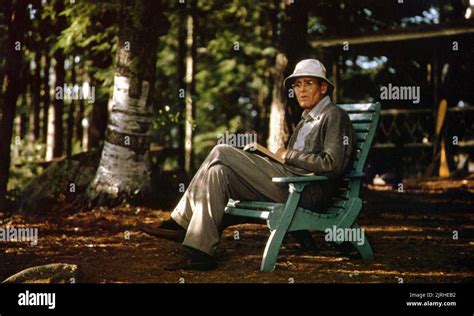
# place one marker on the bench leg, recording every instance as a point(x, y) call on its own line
point(365, 250)
point(272, 249)
point(276, 237)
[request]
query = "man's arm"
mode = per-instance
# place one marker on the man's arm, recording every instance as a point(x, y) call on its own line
point(336, 152)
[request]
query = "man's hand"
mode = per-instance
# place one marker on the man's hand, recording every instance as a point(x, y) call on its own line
point(281, 152)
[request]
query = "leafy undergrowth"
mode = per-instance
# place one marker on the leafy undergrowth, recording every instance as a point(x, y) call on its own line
point(411, 233)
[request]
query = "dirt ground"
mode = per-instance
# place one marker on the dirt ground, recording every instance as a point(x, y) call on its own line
point(411, 234)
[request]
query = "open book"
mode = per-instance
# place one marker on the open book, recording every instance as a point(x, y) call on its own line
point(259, 149)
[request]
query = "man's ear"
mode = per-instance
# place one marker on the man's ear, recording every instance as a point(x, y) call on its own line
point(324, 86)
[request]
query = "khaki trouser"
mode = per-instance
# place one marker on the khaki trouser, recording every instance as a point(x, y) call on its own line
point(228, 172)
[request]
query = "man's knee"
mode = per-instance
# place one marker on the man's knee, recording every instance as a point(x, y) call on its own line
point(222, 151)
point(219, 170)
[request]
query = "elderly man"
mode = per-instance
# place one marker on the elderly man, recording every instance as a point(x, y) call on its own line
point(321, 144)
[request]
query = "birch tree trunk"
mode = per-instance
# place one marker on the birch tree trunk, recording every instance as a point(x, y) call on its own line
point(292, 44)
point(124, 168)
point(278, 131)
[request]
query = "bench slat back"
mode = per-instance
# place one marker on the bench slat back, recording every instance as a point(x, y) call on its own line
point(364, 118)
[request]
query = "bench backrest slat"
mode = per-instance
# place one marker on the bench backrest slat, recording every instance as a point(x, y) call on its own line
point(364, 118)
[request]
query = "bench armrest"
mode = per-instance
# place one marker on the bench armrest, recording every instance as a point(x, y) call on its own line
point(309, 179)
point(299, 179)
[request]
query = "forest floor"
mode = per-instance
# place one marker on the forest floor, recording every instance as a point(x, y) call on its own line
point(412, 233)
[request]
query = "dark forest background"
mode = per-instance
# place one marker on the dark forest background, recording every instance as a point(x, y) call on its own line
point(215, 66)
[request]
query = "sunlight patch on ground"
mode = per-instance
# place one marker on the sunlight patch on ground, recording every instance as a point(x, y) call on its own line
point(322, 258)
point(393, 228)
point(423, 237)
point(398, 273)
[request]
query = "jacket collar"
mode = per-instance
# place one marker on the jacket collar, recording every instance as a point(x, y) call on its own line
point(317, 110)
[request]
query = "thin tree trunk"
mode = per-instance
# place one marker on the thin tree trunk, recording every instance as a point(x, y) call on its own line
point(70, 113)
point(50, 133)
point(98, 119)
point(50, 136)
point(36, 96)
point(181, 85)
point(15, 16)
point(58, 144)
point(79, 116)
point(24, 120)
point(260, 126)
point(23, 123)
point(190, 111)
point(60, 72)
point(124, 168)
point(100, 110)
point(16, 133)
point(81, 130)
point(46, 100)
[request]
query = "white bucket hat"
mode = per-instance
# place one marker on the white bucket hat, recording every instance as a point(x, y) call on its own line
point(311, 68)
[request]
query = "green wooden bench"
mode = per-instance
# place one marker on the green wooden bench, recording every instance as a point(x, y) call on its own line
point(344, 208)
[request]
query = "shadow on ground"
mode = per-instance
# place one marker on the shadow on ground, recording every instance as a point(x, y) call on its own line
point(413, 235)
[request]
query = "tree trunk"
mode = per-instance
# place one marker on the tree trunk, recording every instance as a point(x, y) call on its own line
point(23, 98)
point(190, 111)
point(15, 16)
point(58, 143)
point(79, 127)
point(79, 116)
point(278, 130)
point(100, 109)
point(293, 46)
point(46, 98)
point(50, 133)
point(70, 113)
point(70, 129)
point(262, 100)
point(124, 168)
point(181, 71)
point(36, 96)
point(60, 74)
point(98, 120)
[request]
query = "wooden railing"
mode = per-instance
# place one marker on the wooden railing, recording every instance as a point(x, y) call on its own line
point(415, 128)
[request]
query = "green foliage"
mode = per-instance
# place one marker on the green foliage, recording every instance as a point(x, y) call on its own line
point(23, 167)
point(236, 50)
point(235, 55)
point(206, 140)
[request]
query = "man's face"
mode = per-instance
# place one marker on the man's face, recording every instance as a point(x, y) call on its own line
point(309, 91)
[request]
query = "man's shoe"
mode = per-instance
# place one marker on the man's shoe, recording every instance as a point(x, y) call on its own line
point(194, 260)
point(168, 229)
point(170, 224)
